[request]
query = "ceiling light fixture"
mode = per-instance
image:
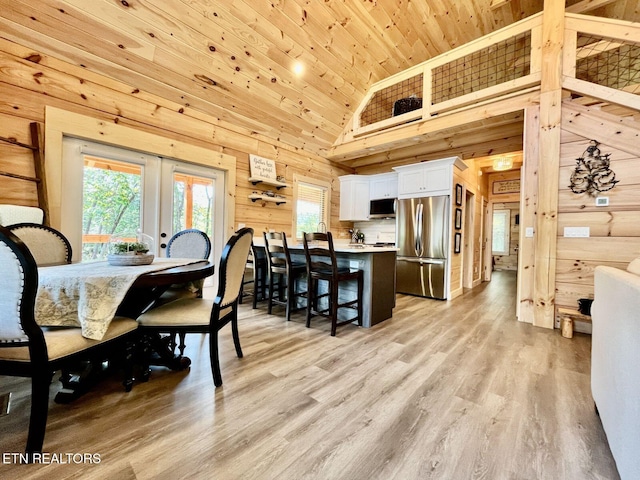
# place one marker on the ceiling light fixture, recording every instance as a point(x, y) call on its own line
point(502, 163)
point(298, 68)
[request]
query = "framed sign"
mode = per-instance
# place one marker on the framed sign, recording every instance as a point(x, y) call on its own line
point(262, 167)
point(458, 218)
point(506, 186)
point(457, 242)
point(459, 194)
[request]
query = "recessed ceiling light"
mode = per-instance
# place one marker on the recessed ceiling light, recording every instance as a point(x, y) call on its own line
point(298, 68)
point(371, 148)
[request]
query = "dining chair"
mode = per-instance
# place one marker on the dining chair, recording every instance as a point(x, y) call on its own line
point(47, 245)
point(28, 350)
point(322, 265)
point(12, 214)
point(283, 273)
point(200, 315)
point(190, 243)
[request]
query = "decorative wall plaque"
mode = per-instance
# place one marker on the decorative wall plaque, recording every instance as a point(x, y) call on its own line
point(506, 186)
point(592, 174)
point(261, 167)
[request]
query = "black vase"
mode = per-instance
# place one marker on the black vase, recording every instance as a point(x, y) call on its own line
point(584, 306)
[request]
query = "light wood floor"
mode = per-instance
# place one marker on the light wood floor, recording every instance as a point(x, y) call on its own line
point(456, 390)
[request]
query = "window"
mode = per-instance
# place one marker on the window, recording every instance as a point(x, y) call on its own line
point(501, 227)
point(312, 201)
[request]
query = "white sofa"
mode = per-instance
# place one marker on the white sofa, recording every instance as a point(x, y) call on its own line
point(615, 362)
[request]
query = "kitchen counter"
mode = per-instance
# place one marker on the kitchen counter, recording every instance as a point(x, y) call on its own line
point(378, 265)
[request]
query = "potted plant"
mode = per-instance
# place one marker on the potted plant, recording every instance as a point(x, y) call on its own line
point(124, 252)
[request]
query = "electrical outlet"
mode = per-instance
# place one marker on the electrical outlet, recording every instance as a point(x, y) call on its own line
point(528, 232)
point(577, 232)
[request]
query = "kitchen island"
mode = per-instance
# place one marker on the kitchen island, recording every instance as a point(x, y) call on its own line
point(378, 265)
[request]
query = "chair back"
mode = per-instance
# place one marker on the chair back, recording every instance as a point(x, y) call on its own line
point(47, 245)
point(319, 253)
point(18, 288)
point(12, 214)
point(278, 255)
point(190, 243)
point(232, 265)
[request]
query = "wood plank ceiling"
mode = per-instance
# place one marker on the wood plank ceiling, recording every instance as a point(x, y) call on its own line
point(234, 59)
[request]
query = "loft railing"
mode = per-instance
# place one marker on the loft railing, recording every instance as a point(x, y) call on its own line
point(601, 59)
point(505, 61)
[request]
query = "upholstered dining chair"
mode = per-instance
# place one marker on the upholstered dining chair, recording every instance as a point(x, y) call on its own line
point(28, 350)
point(47, 245)
point(199, 315)
point(190, 243)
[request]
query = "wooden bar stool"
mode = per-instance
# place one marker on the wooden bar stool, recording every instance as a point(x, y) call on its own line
point(279, 264)
point(322, 265)
point(257, 276)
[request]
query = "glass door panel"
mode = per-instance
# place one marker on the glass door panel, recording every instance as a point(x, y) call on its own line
point(111, 204)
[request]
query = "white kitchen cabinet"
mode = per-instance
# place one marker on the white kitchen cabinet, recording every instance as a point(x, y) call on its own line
point(383, 185)
point(427, 179)
point(354, 197)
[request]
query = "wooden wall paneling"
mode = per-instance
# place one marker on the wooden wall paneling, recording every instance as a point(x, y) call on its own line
point(611, 223)
point(525, 309)
point(624, 198)
point(611, 249)
point(582, 120)
point(573, 147)
point(580, 272)
point(626, 171)
point(16, 160)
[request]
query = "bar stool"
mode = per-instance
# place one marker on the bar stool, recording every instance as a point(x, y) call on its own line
point(257, 265)
point(322, 265)
point(279, 263)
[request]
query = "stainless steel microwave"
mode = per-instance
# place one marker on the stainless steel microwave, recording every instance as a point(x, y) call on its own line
point(382, 208)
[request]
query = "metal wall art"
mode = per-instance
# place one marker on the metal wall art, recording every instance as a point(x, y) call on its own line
point(592, 174)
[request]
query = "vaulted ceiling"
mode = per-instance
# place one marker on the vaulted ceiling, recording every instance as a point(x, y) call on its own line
point(235, 59)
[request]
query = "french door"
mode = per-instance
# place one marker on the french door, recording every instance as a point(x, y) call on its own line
point(111, 192)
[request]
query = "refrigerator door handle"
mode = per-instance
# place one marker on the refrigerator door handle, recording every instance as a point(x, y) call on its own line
point(422, 261)
point(416, 232)
point(419, 239)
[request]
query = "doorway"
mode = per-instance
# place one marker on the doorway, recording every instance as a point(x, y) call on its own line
point(112, 191)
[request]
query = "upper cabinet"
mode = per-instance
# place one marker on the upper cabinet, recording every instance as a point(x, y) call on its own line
point(427, 179)
point(383, 185)
point(354, 197)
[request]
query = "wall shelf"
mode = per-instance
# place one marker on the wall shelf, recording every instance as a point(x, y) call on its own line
point(268, 181)
point(254, 197)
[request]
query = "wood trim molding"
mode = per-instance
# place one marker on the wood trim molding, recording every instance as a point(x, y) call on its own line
point(59, 123)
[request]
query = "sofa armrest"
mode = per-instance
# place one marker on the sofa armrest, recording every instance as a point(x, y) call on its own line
point(615, 364)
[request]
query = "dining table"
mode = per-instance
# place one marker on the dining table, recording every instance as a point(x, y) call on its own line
point(89, 295)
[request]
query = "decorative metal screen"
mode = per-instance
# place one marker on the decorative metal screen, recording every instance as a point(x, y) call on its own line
point(381, 105)
point(499, 63)
point(608, 62)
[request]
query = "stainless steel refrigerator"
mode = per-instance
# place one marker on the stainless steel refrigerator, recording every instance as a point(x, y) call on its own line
point(422, 238)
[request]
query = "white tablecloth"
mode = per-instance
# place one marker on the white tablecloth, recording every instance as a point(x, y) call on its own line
point(87, 295)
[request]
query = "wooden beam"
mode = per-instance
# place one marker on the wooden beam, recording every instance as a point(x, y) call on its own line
point(588, 5)
point(549, 161)
point(412, 133)
point(495, 4)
